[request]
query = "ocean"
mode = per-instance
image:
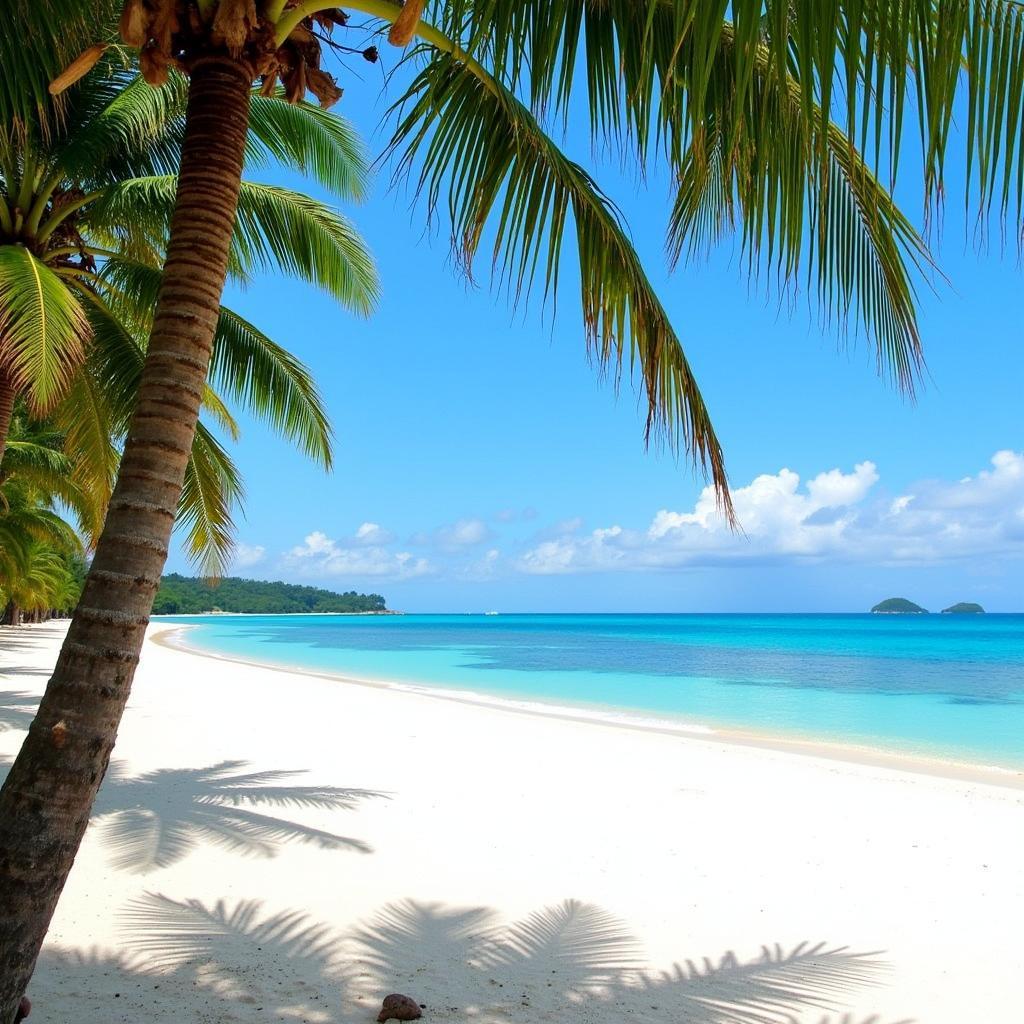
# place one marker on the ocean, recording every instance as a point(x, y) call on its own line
point(941, 686)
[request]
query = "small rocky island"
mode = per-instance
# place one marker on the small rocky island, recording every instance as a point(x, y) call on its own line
point(964, 608)
point(898, 606)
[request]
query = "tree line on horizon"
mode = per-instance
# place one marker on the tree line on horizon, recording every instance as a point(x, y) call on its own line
point(190, 595)
point(124, 212)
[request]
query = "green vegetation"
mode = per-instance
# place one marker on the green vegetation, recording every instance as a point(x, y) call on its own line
point(898, 606)
point(964, 608)
point(79, 277)
point(184, 595)
point(41, 564)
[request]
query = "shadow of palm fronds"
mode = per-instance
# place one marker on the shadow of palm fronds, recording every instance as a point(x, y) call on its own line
point(17, 708)
point(570, 961)
point(170, 933)
point(768, 989)
point(560, 961)
point(13, 638)
point(409, 932)
point(852, 1018)
point(282, 964)
point(581, 945)
point(153, 820)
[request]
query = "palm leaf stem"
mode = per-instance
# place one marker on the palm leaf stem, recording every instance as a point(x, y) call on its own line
point(65, 211)
point(28, 175)
point(43, 196)
point(74, 250)
point(272, 10)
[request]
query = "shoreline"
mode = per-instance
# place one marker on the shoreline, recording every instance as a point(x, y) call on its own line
point(612, 718)
point(270, 845)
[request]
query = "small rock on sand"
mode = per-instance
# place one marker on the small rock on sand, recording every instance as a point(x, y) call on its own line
point(398, 1007)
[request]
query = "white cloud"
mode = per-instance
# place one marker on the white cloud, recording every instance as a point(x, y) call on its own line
point(457, 536)
point(833, 516)
point(320, 555)
point(373, 534)
point(246, 555)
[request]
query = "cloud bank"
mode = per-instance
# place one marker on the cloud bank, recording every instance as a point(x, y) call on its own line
point(839, 516)
point(833, 516)
point(320, 556)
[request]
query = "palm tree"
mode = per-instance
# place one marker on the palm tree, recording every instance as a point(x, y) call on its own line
point(38, 547)
point(741, 113)
point(45, 582)
point(88, 206)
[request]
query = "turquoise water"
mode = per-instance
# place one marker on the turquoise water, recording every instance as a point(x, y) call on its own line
point(947, 686)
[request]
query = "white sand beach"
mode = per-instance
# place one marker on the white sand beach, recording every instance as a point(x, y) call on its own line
point(273, 846)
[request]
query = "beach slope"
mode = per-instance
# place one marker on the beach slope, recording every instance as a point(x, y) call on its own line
point(273, 846)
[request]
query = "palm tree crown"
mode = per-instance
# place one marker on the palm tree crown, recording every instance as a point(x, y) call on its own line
point(775, 119)
point(84, 215)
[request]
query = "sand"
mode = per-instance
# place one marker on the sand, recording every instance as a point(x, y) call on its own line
point(275, 846)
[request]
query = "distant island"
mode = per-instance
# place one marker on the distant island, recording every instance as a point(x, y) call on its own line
point(964, 608)
point(898, 606)
point(184, 595)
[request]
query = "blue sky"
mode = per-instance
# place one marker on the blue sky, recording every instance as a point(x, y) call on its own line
point(481, 464)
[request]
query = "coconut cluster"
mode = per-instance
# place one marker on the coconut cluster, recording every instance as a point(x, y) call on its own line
point(174, 33)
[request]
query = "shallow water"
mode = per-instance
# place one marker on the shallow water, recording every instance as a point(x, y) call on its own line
point(937, 685)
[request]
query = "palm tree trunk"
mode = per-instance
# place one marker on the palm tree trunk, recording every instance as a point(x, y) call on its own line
point(46, 800)
point(8, 393)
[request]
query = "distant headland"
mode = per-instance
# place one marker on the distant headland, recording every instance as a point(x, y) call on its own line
point(898, 606)
point(964, 608)
point(183, 595)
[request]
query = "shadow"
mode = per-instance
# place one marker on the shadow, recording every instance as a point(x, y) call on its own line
point(577, 960)
point(17, 709)
point(153, 820)
point(186, 961)
point(567, 962)
point(15, 638)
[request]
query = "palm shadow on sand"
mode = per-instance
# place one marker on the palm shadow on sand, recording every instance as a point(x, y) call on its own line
point(17, 638)
point(570, 961)
point(153, 820)
point(17, 708)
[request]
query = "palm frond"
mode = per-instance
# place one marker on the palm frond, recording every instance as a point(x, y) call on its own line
point(249, 367)
point(24, 458)
point(43, 464)
point(133, 130)
point(272, 384)
point(283, 230)
point(309, 139)
point(482, 153)
point(86, 419)
point(37, 39)
point(873, 65)
point(758, 171)
point(221, 414)
point(115, 358)
point(276, 230)
point(37, 523)
point(42, 326)
point(212, 489)
point(42, 577)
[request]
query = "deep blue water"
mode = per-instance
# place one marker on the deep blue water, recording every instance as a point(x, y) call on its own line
point(951, 686)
